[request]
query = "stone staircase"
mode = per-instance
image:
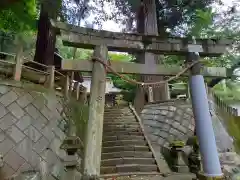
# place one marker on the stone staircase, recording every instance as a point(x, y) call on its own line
point(125, 149)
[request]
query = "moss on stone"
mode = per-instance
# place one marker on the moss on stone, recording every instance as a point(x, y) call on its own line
point(78, 112)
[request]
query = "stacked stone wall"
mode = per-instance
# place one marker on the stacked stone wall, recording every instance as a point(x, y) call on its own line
point(31, 131)
point(166, 122)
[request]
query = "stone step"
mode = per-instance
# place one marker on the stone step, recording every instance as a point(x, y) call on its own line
point(118, 116)
point(125, 126)
point(124, 143)
point(119, 122)
point(128, 168)
point(125, 148)
point(122, 129)
point(125, 154)
point(121, 161)
point(117, 109)
point(119, 133)
point(123, 137)
point(134, 174)
point(127, 111)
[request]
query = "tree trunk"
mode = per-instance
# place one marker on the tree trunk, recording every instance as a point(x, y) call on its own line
point(46, 39)
point(149, 17)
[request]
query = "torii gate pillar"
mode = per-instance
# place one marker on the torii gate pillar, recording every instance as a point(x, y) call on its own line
point(93, 136)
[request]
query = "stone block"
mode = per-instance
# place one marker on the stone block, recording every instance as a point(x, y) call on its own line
point(160, 118)
point(153, 138)
point(180, 112)
point(16, 110)
point(182, 129)
point(172, 108)
point(8, 98)
point(40, 123)
point(147, 116)
point(178, 118)
point(170, 114)
point(174, 132)
point(186, 116)
point(7, 121)
point(163, 134)
point(15, 134)
point(39, 102)
point(7, 171)
point(35, 94)
point(32, 111)
point(59, 133)
point(6, 146)
point(14, 160)
point(33, 133)
point(176, 124)
point(3, 111)
point(48, 133)
point(24, 148)
point(4, 89)
point(50, 157)
point(166, 127)
point(24, 122)
point(19, 91)
point(160, 141)
point(47, 113)
point(41, 145)
point(2, 136)
point(164, 112)
point(185, 123)
point(156, 132)
point(25, 167)
point(25, 100)
point(150, 122)
point(55, 147)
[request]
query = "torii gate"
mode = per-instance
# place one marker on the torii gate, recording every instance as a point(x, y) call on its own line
point(101, 42)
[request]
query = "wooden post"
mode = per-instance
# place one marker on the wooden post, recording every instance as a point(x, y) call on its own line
point(93, 138)
point(150, 94)
point(66, 86)
point(77, 90)
point(83, 95)
point(168, 93)
point(206, 86)
point(71, 83)
point(18, 67)
point(50, 78)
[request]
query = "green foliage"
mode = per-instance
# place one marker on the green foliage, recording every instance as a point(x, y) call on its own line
point(21, 16)
point(128, 90)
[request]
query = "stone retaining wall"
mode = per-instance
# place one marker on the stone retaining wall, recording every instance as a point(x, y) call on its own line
point(168, 121)
point(31, 131)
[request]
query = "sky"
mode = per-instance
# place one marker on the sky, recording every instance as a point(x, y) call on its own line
point(113, 26)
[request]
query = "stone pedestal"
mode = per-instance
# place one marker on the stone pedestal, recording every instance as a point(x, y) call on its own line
point(177, 154)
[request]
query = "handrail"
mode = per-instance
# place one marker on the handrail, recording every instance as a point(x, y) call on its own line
point(7, 62)
point(57, 72)
point(37, 70)
point(34, 62)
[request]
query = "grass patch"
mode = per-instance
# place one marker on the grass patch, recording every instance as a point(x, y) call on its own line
point(78, 113)
point(233, 127)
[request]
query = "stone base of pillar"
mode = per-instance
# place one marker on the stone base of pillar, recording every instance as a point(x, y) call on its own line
point(202, 176)
point(90, 177)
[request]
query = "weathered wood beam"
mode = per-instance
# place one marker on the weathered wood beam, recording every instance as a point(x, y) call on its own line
point(134, 68)
point(125, 42)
